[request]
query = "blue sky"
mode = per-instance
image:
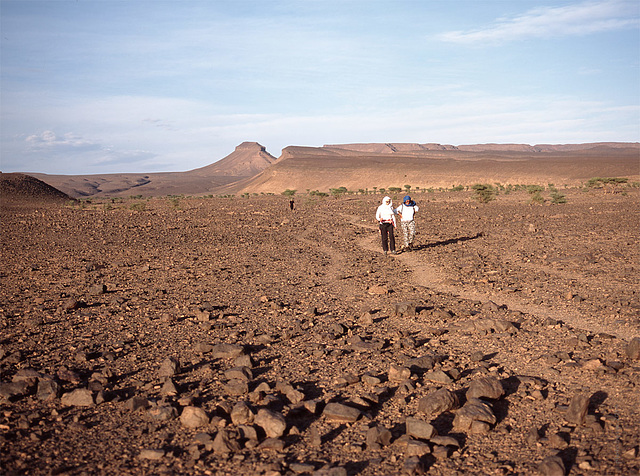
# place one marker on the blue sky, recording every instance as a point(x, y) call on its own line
point(102, 86)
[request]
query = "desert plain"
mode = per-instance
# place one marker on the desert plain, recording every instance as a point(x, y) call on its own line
point(193, 335)
point(228, 334)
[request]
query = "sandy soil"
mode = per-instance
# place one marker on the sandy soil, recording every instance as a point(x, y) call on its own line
point(235, 336)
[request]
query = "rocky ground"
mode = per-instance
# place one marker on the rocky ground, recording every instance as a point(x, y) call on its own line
point(234, 336)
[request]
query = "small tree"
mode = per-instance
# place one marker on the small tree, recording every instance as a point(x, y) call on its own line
point(407, 188)
point(289, 193)
point(336, 192)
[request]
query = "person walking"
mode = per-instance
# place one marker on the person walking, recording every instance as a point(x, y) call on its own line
point(407, 221)
point(386, 218)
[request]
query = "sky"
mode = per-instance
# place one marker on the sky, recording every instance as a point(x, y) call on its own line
point(130, 86)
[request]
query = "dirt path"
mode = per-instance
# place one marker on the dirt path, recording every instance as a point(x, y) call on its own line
point(436, 278)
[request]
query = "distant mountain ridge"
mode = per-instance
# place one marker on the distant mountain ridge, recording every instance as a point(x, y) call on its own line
point(251, 169)
point(362, 166)
point(391, 148)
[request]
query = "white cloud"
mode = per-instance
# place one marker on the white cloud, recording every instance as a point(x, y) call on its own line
point(48, 140)
point(552, 22)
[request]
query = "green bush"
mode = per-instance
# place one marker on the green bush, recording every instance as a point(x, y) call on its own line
point(600, 181)
point(557, 198)
point(336, 192)
point(484, 192)
point(537, 197)
point(138, 206)
point(457, 188)
point(289, 193)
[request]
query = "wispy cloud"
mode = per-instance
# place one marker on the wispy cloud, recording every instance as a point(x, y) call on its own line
point(70, 147)
point(69, 142)
point(553, 22)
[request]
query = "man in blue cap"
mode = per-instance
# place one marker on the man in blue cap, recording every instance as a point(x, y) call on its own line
point(407, 214)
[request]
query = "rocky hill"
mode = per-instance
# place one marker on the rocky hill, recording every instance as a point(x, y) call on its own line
point(16, 187)
point(249, 159)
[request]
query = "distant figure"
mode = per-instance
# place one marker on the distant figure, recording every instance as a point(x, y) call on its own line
point(386, 218)
point(407, 213)
point(291, 205)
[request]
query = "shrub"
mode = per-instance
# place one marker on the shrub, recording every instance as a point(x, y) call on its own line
point(138, 206)
point(336, 192)
point(557, 198)
point(534, 189)
point(537, 197)
point(457, 188)
point(484, 192)
point(600, 181)
point(289, 193)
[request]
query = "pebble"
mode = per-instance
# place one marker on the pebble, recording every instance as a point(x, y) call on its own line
point(273, 444)
point(273, 424)
point(236, 387)
point(80, 397)
point(398, 374)
point(168, 388)
point(48, 389)
point(413, 466)
point(341, 413)
point(417, 448)
point(577, 410)
point(419, 428)
point(241, 414)
point(438, 376)
point(239, 373)
point(193, 417)
point(633, 349)
point(378, 437)
point(151, 454)
point(9, 390)
point(169, 367)
point(426, 362)
point(485, 387)
point(136, 403)
point(474, 410)
point(227, 351)
point(552, 466)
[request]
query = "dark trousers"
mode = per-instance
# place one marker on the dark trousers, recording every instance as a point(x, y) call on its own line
point(388, 239)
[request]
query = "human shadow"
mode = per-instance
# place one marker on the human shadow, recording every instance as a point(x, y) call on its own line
point(451, 241)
